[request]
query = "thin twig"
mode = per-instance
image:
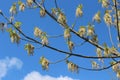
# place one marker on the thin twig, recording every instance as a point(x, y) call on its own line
point(60, 60)
point(100, 69)
point(55, 36)
point(110, 35)
point(81, 43)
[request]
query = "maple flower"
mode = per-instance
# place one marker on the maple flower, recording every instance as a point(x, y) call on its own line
point(115, 67)
point(29, 48)
point(44, 39)
point(70, 45)
point(72, 67)
point(90, 31)
point(79, 11)
point(15, 38)
point(82, 31)
point(44, 62)
point(105, 3)
point(99, 53)
point(108, 18)
point(62, 18)
point(118, 74)
point(22, 7)
point(37, 32)
point(97, 17)
point(13, 9)
point(95, 65)
point(67, 33)
point(42, 12)
point(29, 2)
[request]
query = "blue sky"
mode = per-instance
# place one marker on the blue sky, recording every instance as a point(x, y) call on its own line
point(29, 67)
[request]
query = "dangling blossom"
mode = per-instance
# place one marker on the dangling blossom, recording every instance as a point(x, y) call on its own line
point(61, 18)
point(29, 48)
point(79, 11)
point(22, 7)
point(67, 33)
point(105, 3)
point(118, 74)
point(108, 18)
point(13, 9)
point(72, 67)
point(29, 2)
point(37, 32)
point(97, 17)
point(70, 45)
point(94, 65)
point(15, 38)
point(42, 12)
point(99, 54)
point(90, 31)
point(44, 39)
point(44, 62)
point(82, 31)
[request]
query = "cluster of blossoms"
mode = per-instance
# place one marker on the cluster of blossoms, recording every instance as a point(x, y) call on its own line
point(41, 35)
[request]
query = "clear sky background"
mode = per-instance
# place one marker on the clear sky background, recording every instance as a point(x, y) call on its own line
point(15, 64)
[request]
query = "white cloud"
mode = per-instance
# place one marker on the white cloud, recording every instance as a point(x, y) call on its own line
point(37, 76)
point(7, 64)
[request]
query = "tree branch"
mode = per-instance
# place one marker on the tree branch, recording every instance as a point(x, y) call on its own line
point(95, 44)
point(58, 50)
point(118, 29)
